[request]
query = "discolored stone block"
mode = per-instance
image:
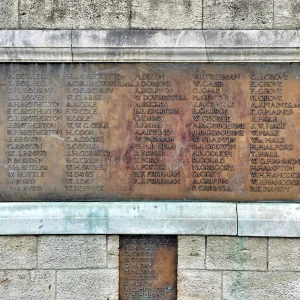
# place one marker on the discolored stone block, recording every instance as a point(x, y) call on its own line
point(261, 285)
point(284, 254)
point(76, 251)
point(200, 285)
point(69, 14)
point(172, 14)
point(9, 14)
point(286, 14)
point(17, 252)
point(24, 285)
point(236, 253)
point(191, 252)
point(87, 284)
point(237, 14)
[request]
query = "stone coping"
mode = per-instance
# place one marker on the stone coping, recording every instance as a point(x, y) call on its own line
point(182, 218)
point(149, 45)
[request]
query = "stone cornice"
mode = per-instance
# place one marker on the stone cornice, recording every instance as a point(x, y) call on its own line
point(149, 45)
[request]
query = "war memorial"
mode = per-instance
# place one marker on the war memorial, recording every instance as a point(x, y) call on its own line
point(149, 150)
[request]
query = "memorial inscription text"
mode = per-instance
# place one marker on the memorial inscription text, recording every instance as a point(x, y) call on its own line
point(225, 132)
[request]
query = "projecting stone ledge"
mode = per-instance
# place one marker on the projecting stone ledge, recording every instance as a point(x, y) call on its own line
point(149, 45)
point(118, 218)
point(190, 218)
point(269, 219)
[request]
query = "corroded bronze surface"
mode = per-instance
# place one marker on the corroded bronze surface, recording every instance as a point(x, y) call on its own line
point(148, 267)
point(149, 131)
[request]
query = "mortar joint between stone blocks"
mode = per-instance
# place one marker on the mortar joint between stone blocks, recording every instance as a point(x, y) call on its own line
point(55, 294)
point(268, 253)
point(19, 14)
point(130, 13)
point(107, 255)
point(205, 255)
point(37, 252)
point(222, 275)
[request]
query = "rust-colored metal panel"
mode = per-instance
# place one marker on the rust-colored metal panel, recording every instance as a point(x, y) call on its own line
point(99, 132)
point(148, 267)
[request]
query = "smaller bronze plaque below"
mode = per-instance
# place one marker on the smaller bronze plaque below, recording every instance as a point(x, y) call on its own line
point(148, 267)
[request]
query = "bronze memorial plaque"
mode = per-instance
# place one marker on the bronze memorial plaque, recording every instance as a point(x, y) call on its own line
point(184, 131)
point(148, 267)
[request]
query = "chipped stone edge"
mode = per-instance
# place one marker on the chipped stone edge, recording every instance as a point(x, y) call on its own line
point(118, 218)
point(149, 46)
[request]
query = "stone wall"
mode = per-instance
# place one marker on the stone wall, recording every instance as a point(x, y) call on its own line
point(86, 267)
point(150, 14)
point(59, 267)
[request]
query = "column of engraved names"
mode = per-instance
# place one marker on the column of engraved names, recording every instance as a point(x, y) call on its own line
point(214, 134)
point(140, 278)
point(154, 140)
point(272, 169)
point(85, 130)
point(32, 115)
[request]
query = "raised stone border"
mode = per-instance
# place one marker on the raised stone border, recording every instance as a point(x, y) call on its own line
point(149, 46)
point(191, 218)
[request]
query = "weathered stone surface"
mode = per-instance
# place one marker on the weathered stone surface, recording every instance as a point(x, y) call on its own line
point(103, 14)
point(150, 46)
point(113, 251)
point(191, 252)
point(284, 254)
point(9, 14)
point(88, 284)
point(236, 253)
point(261, 285)
point(237, 14)
point(272, 219)
point(118, 218)
point(286, 14)
point(25, 285)
point(200, 285)
point(63, 252)
point(172, 14)
point(17, 252)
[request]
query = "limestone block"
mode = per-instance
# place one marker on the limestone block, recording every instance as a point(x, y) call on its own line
point(284, 254)
point(172, 14)
point(191, 252)
point(76, 251)
point(286, 14)
point(261, 285)
point(237, 14)
point(199, 285)
point(17, 252)
point(83, 14)
point(113, 251)
point(269, 219)
point(9, 14)
point(88, 284)
point(25, 285)
point(236, 253)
